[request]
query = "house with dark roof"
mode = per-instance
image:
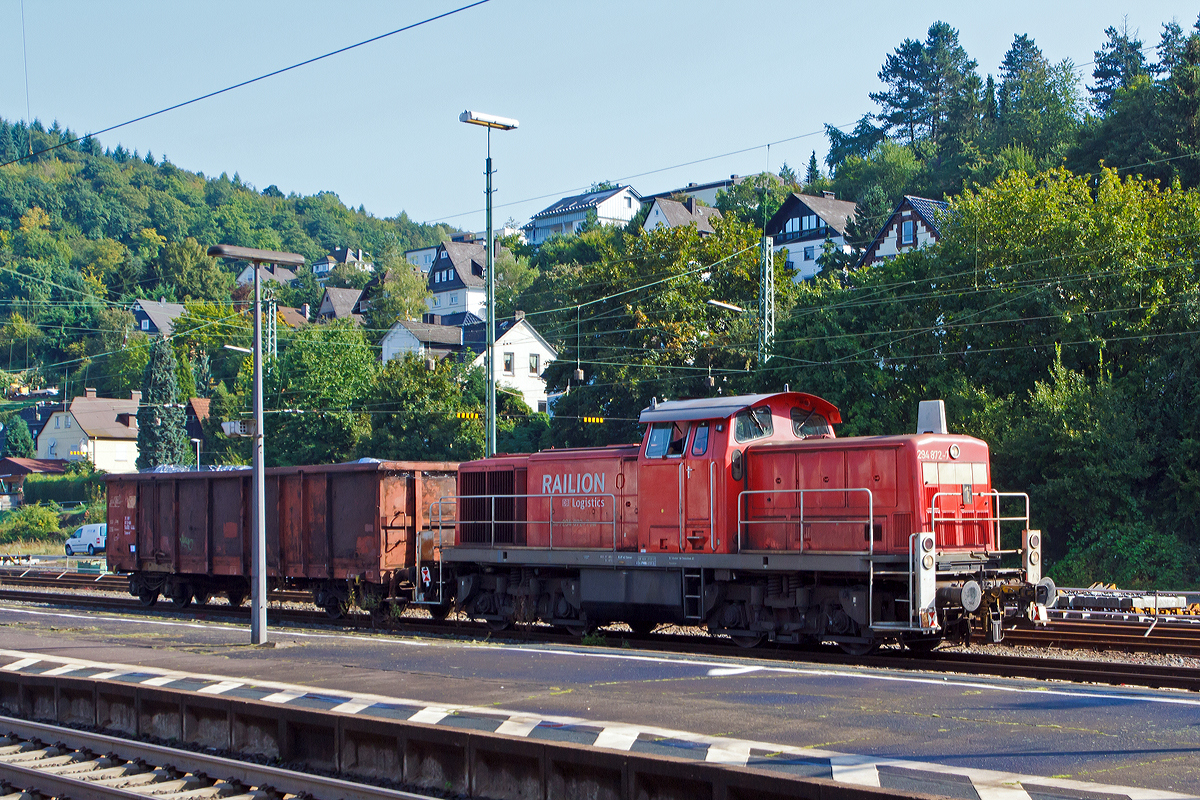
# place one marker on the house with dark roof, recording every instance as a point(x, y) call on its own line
point(916, 222)
point(156, 317)
point(521, 352)
point(612, 207)
point(706, 192)
point(803, 224)
point(668, 213)
point(456, 281)
point(267, 273)
point(103, 430)
point(13, 472)
point(340, 304)
point(354, 257)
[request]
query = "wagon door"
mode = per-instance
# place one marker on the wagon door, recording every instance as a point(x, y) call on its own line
point(661, 487)
point(699, 476)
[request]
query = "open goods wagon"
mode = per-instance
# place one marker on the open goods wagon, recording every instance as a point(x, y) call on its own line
point(345, 532)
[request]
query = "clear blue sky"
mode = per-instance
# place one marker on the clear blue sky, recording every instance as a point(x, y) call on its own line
point(603, 90)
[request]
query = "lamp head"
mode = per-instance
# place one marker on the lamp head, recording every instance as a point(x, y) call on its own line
point(488, 120)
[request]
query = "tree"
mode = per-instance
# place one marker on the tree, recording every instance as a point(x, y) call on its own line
point(904, 100)
point(1181, 112)
point(193, 274)
point(18, 441)
point(1119, 62)
point(1039, 106)
point(419, 409)
point(514, 275)
point(162, 435)
point(755, 199)
point(813, 173)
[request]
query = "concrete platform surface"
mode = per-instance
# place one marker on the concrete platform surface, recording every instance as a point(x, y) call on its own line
point(963, 736)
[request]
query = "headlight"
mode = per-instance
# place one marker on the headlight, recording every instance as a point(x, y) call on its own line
point(927, 562)
point(1035, 540)
point(927, 544)
point(1033, 558)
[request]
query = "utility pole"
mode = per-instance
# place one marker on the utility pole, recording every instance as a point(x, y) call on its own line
point(258, 545)
point(766, 302)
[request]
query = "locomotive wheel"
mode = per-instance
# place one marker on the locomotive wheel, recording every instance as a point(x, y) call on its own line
point(748, 640)
point(921, 645)
point(235, 597)
point(148, 597)
point(859, 648)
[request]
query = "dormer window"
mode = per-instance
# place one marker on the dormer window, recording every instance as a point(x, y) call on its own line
point(907, 232)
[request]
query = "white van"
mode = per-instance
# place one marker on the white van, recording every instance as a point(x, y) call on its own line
point(91, 539)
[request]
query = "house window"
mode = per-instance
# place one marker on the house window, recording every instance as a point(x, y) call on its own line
point(810, 253)
point(542, 406)
point(809, 222)
point(629, 202)
point(907, 234)
point(52, 451)
point(437, 301)
point(56, 419)
point(535, 363)
point(145, 324)
point(509, 363)
point(453, 299)
point(66, 422)
point(437, 277)
point(792, 226)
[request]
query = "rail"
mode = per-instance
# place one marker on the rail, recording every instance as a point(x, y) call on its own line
point(940, 516)
point(801, 521)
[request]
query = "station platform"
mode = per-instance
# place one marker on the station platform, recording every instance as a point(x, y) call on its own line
point(960, 736)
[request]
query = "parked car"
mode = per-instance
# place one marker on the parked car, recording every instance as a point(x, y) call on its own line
point(88, 538)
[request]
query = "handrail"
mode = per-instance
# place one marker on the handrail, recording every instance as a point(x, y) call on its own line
point(869, 521)
point(441, 503)
point(940, 516)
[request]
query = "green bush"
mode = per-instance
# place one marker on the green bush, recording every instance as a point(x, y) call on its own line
point(30, 522)
point(69, 488)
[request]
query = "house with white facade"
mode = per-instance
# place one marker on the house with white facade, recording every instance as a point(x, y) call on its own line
point(803, 224)
point(342, 255)
point(103, 430)
point(521, 352)
point(422, 257)
point(705, 192)
point(564, 218)
point(456, 282)
point(915, 223)
point(667, 213)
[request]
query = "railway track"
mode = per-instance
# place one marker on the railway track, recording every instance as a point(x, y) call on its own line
point(52, 761)
point(944, 661)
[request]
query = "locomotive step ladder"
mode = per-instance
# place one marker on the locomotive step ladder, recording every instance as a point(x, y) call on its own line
point(898, 576)
point(693, 593)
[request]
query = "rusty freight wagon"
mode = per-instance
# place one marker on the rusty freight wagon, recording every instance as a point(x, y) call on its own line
point(345, 532)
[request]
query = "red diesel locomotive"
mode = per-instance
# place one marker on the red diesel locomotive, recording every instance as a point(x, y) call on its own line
point(747, 515)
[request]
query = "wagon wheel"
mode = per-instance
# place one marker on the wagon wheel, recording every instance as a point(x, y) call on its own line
point(641, 627)
point(579, 629)
point(497, 625)
point(335, 607)
point(440, 612)
point(747, 640)
point(202, 597)
point(235, 597)
point(181, 596)
point(148, 597)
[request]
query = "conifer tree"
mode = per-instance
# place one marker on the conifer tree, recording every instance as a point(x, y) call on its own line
point(18, 442)
point(813, 173)
point(162, 437)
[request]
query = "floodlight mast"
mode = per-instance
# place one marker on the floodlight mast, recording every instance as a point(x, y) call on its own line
point(490, 121)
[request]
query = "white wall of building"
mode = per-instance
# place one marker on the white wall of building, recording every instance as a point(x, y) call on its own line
point(462, 299)
point(398, 341)
point(804, 255)
point(519, 343)
point(891, 244)
point(63, 438)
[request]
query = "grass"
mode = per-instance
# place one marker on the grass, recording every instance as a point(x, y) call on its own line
point(44, 547)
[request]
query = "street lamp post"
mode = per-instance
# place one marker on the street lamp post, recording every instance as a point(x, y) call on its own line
point(499, 123)
point(197, 443)
point(258, 554)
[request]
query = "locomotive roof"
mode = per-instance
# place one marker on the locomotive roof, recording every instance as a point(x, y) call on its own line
point(719, 407)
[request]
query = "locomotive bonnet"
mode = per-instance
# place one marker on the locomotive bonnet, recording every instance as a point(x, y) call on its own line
point(747, 515)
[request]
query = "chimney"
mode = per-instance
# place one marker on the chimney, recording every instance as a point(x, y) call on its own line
point(518, 316)
point(136, 395)
point(828, 195)
point(690, 205)
point(432, 319)
point(162, 299)
point(89, 393)
point(306, 309)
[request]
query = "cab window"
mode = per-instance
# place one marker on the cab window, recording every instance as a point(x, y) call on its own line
point(666, 440)
point(809, 423)
point(752, 423)
point(700, 439)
